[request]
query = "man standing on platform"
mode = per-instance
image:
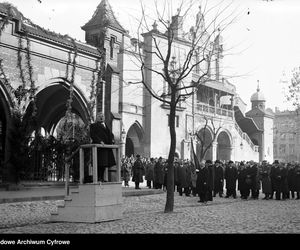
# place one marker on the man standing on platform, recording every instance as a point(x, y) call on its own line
point(101, 134)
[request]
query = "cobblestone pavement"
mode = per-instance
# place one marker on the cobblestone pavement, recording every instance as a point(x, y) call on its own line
point(144, 214)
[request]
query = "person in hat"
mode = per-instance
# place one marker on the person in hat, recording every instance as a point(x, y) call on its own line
point(202, 183)
point(137, 172)
point(273, 173)
point(231, 178)
point(242, 187)
point(211, 174)
point(219, 178)
point(266, 179)
point(101, 134)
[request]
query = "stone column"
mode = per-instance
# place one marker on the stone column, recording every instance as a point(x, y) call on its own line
point(214, 150)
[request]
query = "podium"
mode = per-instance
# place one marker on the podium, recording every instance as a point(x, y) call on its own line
point(96, 201)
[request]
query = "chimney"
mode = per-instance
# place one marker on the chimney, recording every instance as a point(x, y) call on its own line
point(177, 26)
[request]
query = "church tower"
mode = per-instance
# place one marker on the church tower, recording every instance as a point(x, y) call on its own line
point(264, 119)
point(104, 31)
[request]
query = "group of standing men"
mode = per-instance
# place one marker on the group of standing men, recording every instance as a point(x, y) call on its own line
point(209, 179)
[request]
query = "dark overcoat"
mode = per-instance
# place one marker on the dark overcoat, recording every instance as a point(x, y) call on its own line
point(297, 179)
point(149, 171)
point(158, 173)
point(202, 180)
point(100, 133)
point(266, 179)
point(284, 182)
point(291, 179)
point(242, 186)
point(137, 171)
point(231, 177)
point(276, 179)
point(211, 177)
point(219, 179)
point(182, 176)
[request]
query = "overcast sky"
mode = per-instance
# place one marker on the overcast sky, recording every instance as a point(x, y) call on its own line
point(264, 41)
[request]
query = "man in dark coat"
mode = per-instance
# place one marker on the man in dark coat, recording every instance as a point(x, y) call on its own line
point(182, 179)
point(101, 134)
point(297, 180)
point(137, 172)
point(274, 168)
point(202, 183)
point(231, 178)
point(253, 172)
point(211, 177)
point(241, 181)
point(278, 176)
point(219, 179)
point(266, 180)
point(158, 174)
point(291, 174)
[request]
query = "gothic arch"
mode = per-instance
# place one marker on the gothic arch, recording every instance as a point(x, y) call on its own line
point(5, 114)
point(207, 136)
point(51, 104)
point(134, 140)
point(224, 147)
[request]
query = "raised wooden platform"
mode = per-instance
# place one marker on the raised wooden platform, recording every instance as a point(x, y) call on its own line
point(93, 202)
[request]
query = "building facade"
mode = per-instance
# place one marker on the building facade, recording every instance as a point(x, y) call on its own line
point(286, 136)
point(139, 122)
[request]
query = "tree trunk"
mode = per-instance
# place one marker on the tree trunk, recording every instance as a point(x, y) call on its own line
point(170, 174)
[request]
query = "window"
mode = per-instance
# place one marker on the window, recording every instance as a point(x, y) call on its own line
point(112, 45)
point(176, 121)
point(282, 136)
point(282, 148)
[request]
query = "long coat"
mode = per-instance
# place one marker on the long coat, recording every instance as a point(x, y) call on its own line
point(231, 177)
point(266, 179)
point(242, 186)
point(100, 133)
point(202, 180)
point(182, 176)
point(291, 179)
point(219, 179)
point(149, 171)
point(297, 179)
point(126, 171)
point(158, 173)
point(137, 171)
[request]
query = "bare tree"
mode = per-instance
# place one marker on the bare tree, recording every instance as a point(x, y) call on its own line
point(205, 141)
point(175, 69)
point(293, 94)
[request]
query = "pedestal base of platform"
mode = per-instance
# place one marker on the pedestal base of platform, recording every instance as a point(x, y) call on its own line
point(93, 202)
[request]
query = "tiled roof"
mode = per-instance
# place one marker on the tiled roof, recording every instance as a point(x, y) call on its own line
point(37, 31)
point(104, 16)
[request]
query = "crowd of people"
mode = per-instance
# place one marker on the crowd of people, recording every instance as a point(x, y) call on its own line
point(208, 179)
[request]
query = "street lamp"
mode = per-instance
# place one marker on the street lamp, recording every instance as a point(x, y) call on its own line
point(123, 141)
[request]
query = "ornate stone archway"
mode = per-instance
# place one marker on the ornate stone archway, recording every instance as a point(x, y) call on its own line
point(207, 137)
point(134, 138)
point(224, 147)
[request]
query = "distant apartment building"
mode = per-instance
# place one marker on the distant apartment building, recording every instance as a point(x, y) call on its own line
point(286, 136)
